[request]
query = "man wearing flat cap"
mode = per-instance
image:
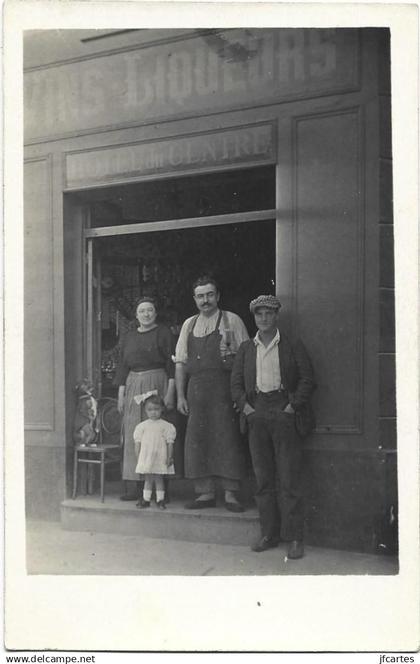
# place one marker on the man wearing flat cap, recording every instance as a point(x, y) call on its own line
point(272, 382)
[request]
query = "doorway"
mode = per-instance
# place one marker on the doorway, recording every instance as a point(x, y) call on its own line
point(154, 238)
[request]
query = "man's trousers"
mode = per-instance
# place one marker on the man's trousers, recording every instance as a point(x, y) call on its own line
point(276, 452)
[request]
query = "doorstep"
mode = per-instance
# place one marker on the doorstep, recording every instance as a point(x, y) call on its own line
point(211, 525)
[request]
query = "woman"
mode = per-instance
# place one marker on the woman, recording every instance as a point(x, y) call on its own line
point(145, 364)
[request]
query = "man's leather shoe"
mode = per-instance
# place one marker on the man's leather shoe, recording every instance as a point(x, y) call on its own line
point(295, 550)
point(234, 506)
point(200, 504)
point(265, 543)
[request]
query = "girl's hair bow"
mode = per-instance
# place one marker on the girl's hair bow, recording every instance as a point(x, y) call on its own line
point(141, 398)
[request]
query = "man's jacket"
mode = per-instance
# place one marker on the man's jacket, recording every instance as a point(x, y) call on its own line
point(297, 378)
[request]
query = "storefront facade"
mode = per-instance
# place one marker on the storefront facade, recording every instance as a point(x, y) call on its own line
point(222, 131)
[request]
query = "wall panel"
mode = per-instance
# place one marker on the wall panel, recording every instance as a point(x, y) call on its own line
point(45, 481)
point(329, 260)
point(39, 292)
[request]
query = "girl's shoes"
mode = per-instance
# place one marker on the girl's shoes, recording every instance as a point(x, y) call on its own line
point(142, 503)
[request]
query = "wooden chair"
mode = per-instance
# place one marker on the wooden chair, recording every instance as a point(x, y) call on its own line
point(108, 448)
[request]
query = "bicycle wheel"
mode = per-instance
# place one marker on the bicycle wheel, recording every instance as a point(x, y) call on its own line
point(111, 419)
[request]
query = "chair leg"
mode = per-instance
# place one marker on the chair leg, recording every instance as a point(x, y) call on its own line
point(102, 475)
point(75, 467)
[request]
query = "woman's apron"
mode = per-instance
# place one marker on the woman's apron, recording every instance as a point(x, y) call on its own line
point(212, 442)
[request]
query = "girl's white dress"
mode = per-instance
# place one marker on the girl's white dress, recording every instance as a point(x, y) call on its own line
point(153, 437)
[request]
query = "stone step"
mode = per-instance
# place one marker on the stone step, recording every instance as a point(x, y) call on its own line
point(181, 488)
point(211, 525)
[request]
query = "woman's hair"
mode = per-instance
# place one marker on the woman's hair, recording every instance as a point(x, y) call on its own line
point(145, 299)
point(203, 280)
point(154, 399)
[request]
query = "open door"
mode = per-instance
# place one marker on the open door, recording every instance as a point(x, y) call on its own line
point(93, 315)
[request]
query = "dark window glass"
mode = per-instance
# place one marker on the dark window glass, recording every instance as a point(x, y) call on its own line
point(222, 192)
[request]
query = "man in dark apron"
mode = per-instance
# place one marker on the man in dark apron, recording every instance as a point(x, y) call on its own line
point(272, 382)
point(206, 347)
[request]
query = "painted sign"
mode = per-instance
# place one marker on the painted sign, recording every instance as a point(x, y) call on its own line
point(207, 73)
point(234, 146)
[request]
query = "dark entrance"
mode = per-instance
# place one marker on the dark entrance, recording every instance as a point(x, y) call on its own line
point(154, 238)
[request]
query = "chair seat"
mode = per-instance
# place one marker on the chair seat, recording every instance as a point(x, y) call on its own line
point(95, 448)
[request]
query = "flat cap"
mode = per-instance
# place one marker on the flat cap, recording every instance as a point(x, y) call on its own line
point(270, 301)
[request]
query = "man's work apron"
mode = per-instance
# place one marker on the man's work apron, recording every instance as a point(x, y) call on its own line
point(212, 442)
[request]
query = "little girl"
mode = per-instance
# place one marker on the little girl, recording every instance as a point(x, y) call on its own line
point(154, 444)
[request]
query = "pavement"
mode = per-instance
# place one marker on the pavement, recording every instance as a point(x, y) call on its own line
point(52, 550)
